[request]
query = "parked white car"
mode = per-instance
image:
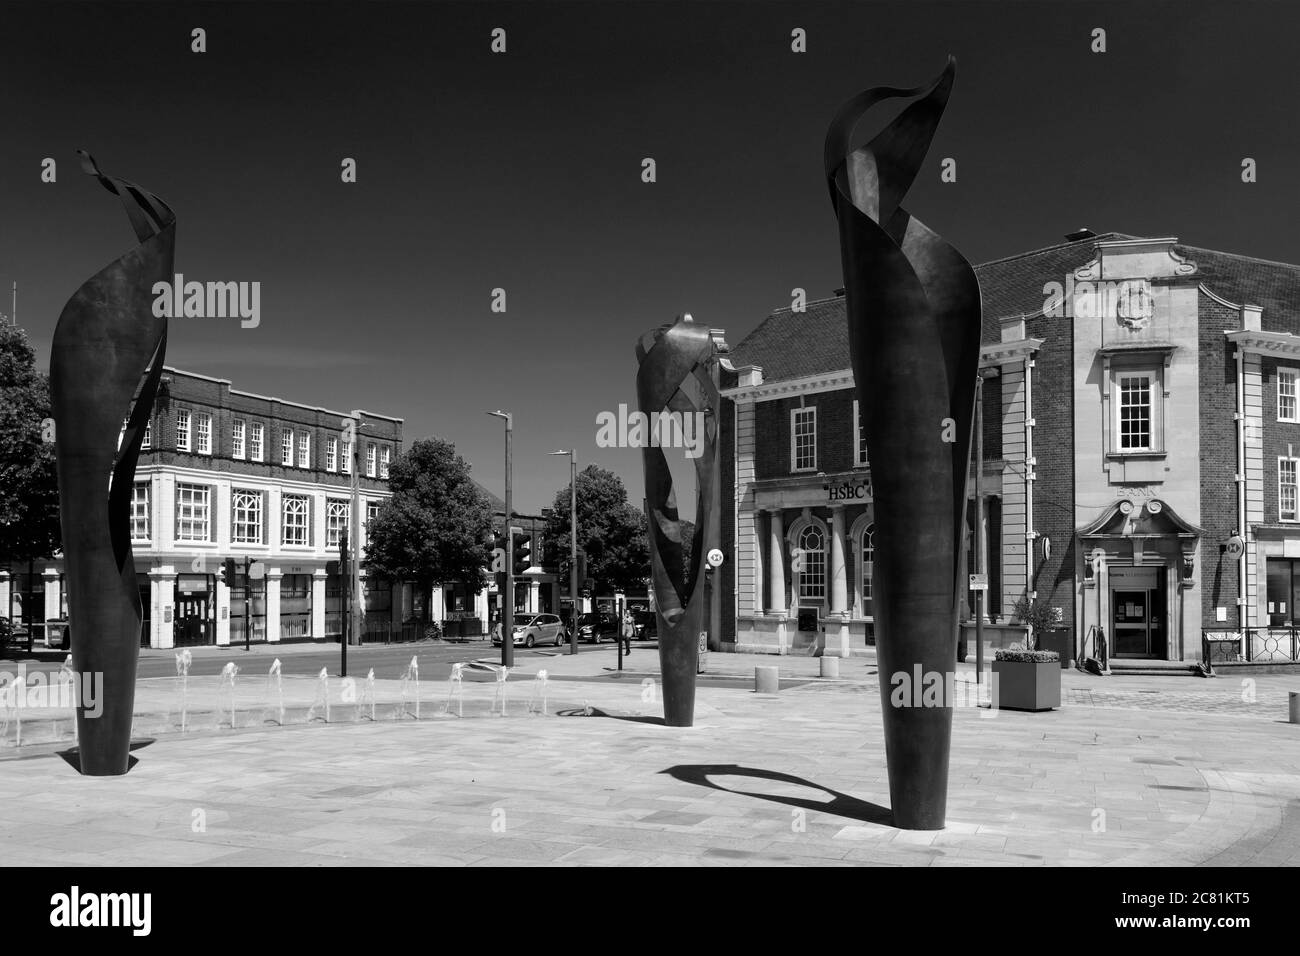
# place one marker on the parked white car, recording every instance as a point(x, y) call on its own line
point(532, 629)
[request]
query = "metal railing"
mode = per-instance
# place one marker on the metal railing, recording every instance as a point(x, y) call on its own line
point(1254, 645)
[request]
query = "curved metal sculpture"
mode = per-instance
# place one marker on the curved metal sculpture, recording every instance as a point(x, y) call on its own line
point(673, 379)
point(914, 309)
point(105, 365)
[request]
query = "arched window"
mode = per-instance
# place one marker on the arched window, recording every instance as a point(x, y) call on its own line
point(812, 576)
point(868, 565)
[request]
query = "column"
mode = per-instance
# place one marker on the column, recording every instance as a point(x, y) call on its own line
point(318, 604)
point(272, 584)
point(776, 564)
point(839, 581)
point(162, 594)
point(53, 592)
point(5, 586)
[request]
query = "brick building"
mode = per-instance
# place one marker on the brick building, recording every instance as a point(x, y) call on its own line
point(1141, 453)
point(225, 473)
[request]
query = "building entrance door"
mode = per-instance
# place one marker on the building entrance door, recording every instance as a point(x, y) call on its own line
point(192, 619)
point(1138, 619)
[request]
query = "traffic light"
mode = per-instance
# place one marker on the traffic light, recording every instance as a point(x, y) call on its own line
point(226, 573)
point(523, 553)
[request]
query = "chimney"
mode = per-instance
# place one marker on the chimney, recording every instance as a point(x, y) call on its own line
point(1084, 233)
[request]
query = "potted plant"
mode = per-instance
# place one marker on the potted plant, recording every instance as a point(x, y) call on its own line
point(1027, 678)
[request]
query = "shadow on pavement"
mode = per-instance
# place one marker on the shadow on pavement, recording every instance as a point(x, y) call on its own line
point(72, 757)
point(841, 804)
point(597, 712)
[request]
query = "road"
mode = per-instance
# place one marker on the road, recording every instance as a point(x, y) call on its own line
point(388, 660)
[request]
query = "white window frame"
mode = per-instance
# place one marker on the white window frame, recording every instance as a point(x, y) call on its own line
point(347, 458)
point(331, 453)
point(286, 447)
point(859, 443)
point(304, 449)
point(385, 459)
point(1288, 376)
point(148, 434)
point(1152, 380)
point(193, 512)
point(238, 430)
point(182, 429)
point(866, 569)
point(795, 413)
point(256, 441)
point(202, 433)
point(286, 526)
point(809, 582)
point(337, 514)
point(1294, 485)
point(246, 509)
point(140, 514)
point(372, 457)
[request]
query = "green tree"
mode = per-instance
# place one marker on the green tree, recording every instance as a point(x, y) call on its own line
point(437, 526)
point(611, 531)
point(29, 484)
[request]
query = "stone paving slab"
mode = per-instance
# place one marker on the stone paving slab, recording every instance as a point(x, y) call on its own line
point(796, 778)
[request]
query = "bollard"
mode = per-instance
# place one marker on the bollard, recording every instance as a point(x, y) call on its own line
point(830, 667)
point(766, 680)
point(1295, 707)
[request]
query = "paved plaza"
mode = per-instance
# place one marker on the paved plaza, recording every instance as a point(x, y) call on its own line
point(1132, 771)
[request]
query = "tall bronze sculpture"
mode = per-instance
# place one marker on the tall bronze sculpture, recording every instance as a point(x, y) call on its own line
point(105, 365)
point(673, 381)
point(914, 314)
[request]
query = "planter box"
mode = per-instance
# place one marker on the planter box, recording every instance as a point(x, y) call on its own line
point(1022, 685)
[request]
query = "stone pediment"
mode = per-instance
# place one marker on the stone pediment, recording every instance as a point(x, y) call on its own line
point(1146, 519)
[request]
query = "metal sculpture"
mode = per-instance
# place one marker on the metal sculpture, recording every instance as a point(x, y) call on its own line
point(105, 365)
point(673, 379)
point(914, 308)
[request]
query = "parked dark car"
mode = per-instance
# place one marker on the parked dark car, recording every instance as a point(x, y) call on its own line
point(13, 634)
point(647, 625)
point(594, 628)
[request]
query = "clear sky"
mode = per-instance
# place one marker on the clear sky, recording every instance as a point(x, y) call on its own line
point(522, 171)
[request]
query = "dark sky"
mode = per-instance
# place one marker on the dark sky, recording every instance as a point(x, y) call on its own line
point(522, 171)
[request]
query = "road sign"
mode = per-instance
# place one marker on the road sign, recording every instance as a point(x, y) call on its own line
point(979, 582)
point(257, 570)
point(715, 558)
point(1234, 546)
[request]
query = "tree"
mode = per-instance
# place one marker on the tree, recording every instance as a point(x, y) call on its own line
point(29, 483)
point(611, 531)
point(436, 527)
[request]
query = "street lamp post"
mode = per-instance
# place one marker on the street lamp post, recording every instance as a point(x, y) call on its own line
point(573, 543)
point(354, 534)
point(508, 599)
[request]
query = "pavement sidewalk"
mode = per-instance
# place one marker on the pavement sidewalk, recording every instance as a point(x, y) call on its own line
point(595, 778)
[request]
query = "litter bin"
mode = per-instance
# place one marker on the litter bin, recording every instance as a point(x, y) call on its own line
point(56, 634)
